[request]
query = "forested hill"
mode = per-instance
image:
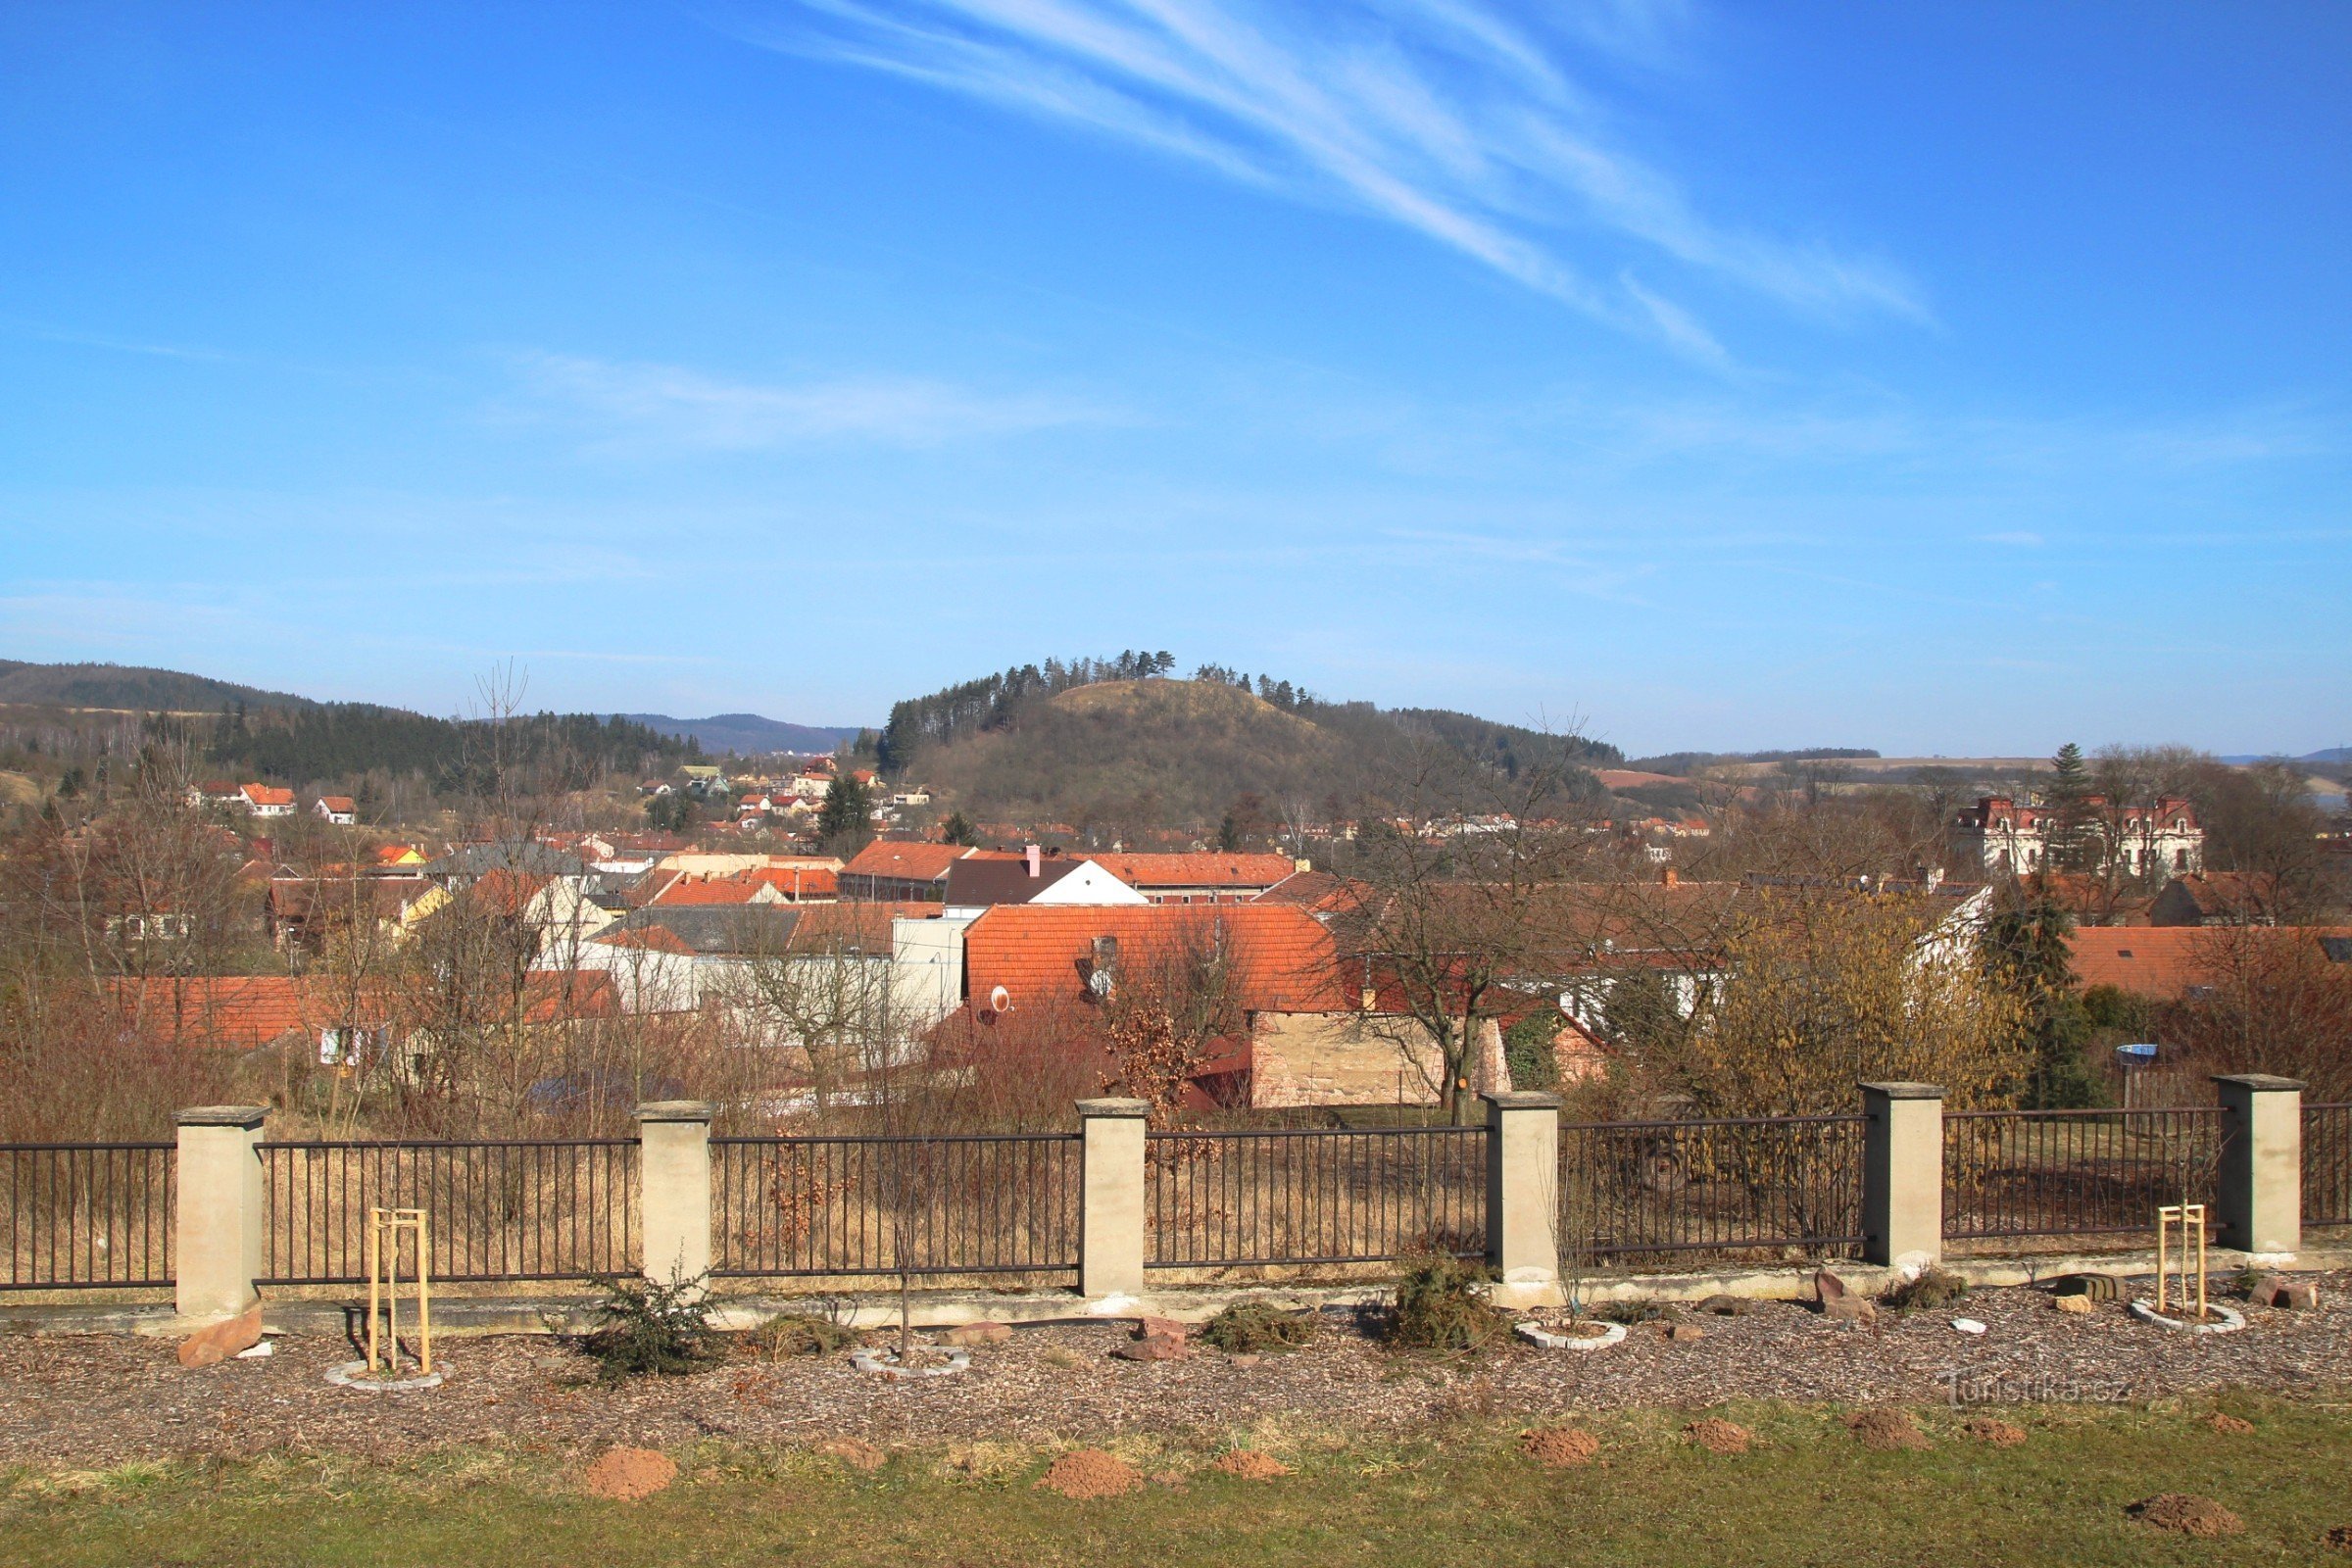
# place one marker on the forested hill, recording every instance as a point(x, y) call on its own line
point(1040, 744)
point(748, 734)
point(248, 733)
point(131, 687)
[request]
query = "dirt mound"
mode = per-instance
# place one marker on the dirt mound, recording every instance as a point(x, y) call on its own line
point(629, 1475)
point(1717, 1435)
point(1559, 1446)
point(2191, 1515)
point(1252, 1465)
point(1886, 1430)
point(1995, 1431)
point(2339, 1538)
point(854, 1453)
point(2230, 1425)
point(1085, 1473)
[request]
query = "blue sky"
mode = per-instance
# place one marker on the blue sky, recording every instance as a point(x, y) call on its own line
point(1951, 379)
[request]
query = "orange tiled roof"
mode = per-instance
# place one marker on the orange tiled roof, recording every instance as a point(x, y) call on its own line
point(267, 795)
point(337, 803)
point(1041, 952)
point(2162, 961)
point(905, 862)
point(1197, 871)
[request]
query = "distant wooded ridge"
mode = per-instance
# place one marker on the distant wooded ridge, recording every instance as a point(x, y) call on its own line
point(749, 734)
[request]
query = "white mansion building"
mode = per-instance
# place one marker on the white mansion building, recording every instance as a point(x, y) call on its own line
point(2151, 841)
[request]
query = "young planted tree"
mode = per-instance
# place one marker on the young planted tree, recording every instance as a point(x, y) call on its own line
point(1441, 915)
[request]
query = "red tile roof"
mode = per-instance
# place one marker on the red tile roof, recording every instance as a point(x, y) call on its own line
point(337, 802)
point(2162, 961)
point(1041, 952)
point(267, 795)
point(904, 862)
point(1146, 872)
point(239, 1013)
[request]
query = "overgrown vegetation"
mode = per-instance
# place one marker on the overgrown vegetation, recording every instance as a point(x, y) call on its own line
point(790, 1334)
point(1254, 1328)
point(1441, 1305)
point(1934, 1288)
point(650, 1328)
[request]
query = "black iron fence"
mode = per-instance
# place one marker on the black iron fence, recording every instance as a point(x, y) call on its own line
point(2011, 1174)
point(547, 1209)
point(1729, 1187)
point(85, 1214)
point(1299, 1196)
point(2327, 1164)
point(972, 1203)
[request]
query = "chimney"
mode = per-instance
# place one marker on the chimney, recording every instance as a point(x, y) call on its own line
point(1035, 858)
point(1668, 876)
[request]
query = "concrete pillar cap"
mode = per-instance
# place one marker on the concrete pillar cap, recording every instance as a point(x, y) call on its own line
point(1114, 1108)
point(1521, 1100)
point(2262, 1083)
point(700, 1110)
point(245, 1117)
point(1902, 1091)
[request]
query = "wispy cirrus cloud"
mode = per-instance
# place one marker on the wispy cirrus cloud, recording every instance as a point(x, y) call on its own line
point(667, 406)
point(1437, 115)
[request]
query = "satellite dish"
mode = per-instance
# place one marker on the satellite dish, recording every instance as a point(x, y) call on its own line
point(1000, 1000)
point(1098, 982)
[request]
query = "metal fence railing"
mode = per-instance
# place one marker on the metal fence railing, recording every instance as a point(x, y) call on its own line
point(1297, 1195)
point(2074, 1173)
point(83, 1214)
point(852, 1205)
point(1732, 1186)
point(2327, 1164)
point(548, 1208)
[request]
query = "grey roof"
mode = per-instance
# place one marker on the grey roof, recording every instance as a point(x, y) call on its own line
point(733, 930)
point(536, 859)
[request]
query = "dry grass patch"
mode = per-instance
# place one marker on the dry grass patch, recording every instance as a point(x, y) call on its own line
point(2229, 1425)
point(856, 1454)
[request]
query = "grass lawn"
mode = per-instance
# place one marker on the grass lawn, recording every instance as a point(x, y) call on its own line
point(1808, 1492)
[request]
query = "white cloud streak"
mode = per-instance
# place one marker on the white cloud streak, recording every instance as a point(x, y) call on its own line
point(1439, 115)
point(668, 407)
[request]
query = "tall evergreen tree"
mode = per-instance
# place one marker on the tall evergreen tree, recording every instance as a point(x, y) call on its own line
point(2072, 843)
point(2026, 951)
point(844, 823)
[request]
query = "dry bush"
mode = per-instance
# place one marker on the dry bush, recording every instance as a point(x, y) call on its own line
point(2269, 1001)
point(1835, 987)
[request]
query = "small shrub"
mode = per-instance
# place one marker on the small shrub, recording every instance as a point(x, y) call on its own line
point(1441, 1305)
point(790, 1334)
point(1252, 1328)
point(645, 1326)
point(1935, 1287)
point(1631, 1313)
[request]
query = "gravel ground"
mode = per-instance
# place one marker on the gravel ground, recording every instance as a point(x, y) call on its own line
point(91, 1402)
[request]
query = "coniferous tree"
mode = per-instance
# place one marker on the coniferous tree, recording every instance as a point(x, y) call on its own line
point(2072, 841)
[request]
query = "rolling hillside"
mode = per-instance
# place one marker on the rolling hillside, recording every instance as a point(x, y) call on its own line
point(1169, 752)
point(747, 734)
point(129, 686)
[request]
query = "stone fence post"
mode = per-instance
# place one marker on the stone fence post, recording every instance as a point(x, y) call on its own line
point(224, 1213)
point(2259, 1191)
point(1523, 1180)
point(1902, 1171)
point(673, 1175)
point(1110, 1204)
